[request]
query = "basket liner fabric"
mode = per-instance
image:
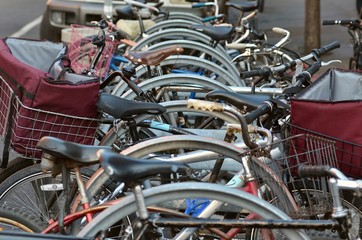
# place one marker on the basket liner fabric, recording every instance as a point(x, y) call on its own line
point(25, 66)
point(38, 54)
point(332, 106)
point(335, 85)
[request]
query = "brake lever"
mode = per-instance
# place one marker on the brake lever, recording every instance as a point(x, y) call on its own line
point(270, 84)
point(323, 64)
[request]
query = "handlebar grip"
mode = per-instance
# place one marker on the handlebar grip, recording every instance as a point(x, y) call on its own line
point(251, 73)
point(208, 19)
point(279, 30)
point(262, 72)
point(198, 5)
point(265, 108)
point(314, 170)
point(327, 48)
point(314, 68)
point(338, 22)
point(330, 22)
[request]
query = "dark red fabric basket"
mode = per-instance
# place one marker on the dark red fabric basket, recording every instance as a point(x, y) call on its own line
point(332, 107)
point(35, 103)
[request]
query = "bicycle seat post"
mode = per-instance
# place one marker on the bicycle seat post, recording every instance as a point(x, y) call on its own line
point(142, 210)
point(82, 192)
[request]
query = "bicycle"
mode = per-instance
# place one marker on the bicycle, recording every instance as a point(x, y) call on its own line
point(354, 30)
point(173, 192)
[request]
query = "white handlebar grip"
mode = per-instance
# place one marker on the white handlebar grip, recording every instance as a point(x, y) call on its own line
point(205, 105)
point(279, 30)
point(236, 128)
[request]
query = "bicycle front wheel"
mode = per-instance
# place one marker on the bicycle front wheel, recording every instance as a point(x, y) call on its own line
point(173, 196)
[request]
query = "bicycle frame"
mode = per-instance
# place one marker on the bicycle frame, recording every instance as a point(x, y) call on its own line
point(242, 180)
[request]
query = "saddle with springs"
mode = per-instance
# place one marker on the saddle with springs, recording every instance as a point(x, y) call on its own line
point(152, 57)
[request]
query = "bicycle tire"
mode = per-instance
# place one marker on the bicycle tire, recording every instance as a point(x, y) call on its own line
point(218, 57)
point(180, 15)
point(191, 80)
point(14, 166)
point(176, 33)
point(184, 62)
point(176, 191)
point(14, 219)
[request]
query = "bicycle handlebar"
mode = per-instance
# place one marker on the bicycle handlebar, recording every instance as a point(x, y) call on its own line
point(354, 23)
point(249, 16)
point(315, 53)
point(304, 77)
point(131, 84)
point(284, 40)
point(305, 170)
point(221, 107)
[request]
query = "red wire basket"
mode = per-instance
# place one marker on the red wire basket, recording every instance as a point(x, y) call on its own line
point(82, 51)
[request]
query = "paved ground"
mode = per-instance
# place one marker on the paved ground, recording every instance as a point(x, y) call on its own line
point(289, 14)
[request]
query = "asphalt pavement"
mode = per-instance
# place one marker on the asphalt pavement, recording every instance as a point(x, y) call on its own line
point(289, 14)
